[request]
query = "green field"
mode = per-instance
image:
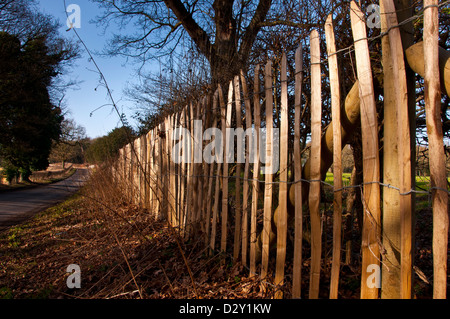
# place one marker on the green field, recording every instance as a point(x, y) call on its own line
point(345, 176)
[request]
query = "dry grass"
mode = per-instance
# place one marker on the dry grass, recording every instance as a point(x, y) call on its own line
point(123, 252)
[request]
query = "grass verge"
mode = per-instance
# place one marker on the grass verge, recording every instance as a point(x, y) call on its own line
point(26, 185)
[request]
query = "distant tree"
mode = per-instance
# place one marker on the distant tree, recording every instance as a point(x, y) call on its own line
point(71, 144)
point(107, 147)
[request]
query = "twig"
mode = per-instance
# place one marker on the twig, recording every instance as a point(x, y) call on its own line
point(128, 264)
point(167, 278)
point(175, 235)
point(124, 294)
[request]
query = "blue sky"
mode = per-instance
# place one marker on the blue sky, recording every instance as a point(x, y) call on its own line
point(89, 95)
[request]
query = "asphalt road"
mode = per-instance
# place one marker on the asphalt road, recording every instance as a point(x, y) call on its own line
point(17, 206)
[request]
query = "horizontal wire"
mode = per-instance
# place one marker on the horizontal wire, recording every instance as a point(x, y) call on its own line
point(390, 186)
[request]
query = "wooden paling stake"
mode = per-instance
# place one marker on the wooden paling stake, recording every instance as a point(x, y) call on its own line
point(246, 189)
point(217, 181)
point(151, 175)
point(133, 171)
point(314, 191)
point(160, 172)
point(148, 192)
point(137, 171)
point(178, 176)
point(404, 150)
point(283, 190)
point(125, 169)
point(195, 168)
point(371, 169)
point(184, 170)
point(298, 223)
point(206, 118)
point(143, 170)
point(216, 208)
point(390, 280)
point(172, 172)
point(436, 149)
point(256, 168)
point(156, 172)
point(189, 170)
point(337, 156)
point(210, 180)
point(268, 174)
point(229, 110)
point(181, 172)
point(198, 199)
point(238, 211)
point(167, 171)
point(142, 153)
point(163, 171)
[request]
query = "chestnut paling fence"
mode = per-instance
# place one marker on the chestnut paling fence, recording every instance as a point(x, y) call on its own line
point(194, 194)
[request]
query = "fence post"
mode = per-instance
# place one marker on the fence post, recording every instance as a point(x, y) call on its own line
point(135, 147)
point(436, 148)
point(125, 170)
point(176, 173)
point(298, 223)
point(371, 170)
point(390, 280)
point(143, 168)
point(283, 187)
point(148, 168)
point(248, 147)
point(183, 171)
point(229, 111)
point(209, 226)
point(256, 168)
point(171, 191)
point(267, 228)
point(238, 210)
point(166, 170)
point(196, 167)
point(200, 172)
point(217, 182)
point(314, 190)
point(157, 170)
point(206, 118)
point(160, 181)
point(404, 150)
point(190, 174)
point(337, 157)
point(151, 172)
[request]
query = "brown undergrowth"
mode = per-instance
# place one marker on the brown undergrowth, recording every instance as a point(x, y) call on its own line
point(124, 252)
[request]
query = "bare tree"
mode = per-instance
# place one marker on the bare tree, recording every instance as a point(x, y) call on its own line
point(70, 143)
point(223, 31)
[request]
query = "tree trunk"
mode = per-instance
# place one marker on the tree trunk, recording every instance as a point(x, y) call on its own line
point(223, 61)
